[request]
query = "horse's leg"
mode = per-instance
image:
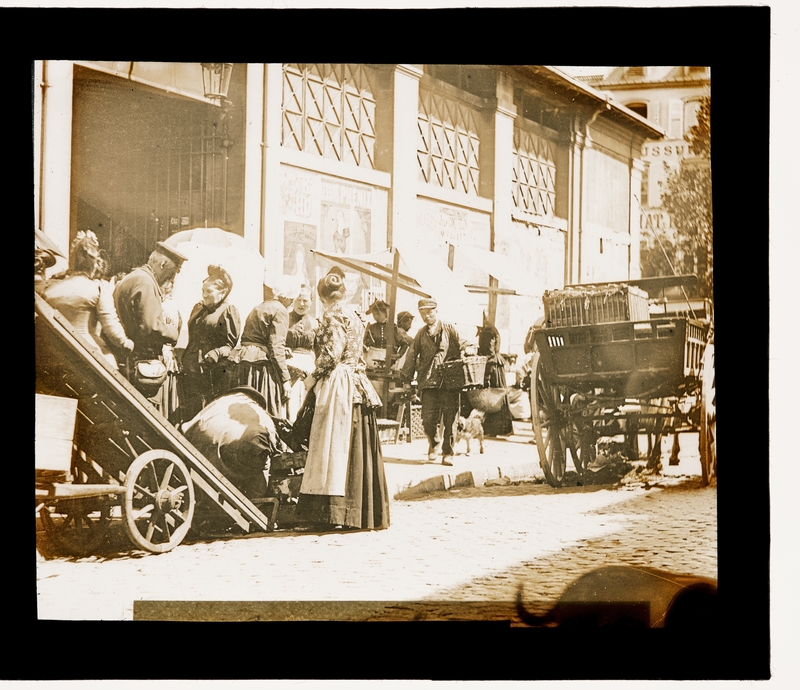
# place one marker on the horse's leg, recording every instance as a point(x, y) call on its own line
point(676, 449)
point(654, 457)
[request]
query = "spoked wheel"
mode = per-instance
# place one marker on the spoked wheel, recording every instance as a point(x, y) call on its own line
point(708, 418)
point(77, 526)
point(549, 420)
point(581, 442)
point(159, 501)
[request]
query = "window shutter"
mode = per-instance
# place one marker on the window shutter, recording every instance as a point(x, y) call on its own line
point(675, 128)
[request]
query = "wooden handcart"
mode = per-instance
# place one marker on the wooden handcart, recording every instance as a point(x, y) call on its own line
point(602, 370)
point(123, 461)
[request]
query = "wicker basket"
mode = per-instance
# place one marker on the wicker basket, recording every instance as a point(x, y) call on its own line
point(594, 304)
point(417, 430)
point(467, 372)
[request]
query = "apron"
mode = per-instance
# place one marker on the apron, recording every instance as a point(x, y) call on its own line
point(328, 458)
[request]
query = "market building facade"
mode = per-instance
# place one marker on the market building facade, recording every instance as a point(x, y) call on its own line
point(522, 161)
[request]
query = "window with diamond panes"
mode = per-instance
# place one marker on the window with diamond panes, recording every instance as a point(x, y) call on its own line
point(448, 143)
point(329, 110)
point(534, 175)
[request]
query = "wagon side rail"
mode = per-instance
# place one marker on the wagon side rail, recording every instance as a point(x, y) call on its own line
point(70, 366)
point(636, 358)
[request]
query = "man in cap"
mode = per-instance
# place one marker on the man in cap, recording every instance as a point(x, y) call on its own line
point(436, 342)
point(138, 299)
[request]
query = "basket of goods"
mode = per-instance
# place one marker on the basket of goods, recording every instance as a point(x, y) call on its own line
point(581, 305)
point(467, 372)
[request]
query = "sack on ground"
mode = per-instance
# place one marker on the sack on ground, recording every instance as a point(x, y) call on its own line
point(488, 400)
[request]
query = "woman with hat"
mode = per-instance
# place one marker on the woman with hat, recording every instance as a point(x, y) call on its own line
point(376, 334)
point(261, 357)
point(344, 484)
point(87, 301)
point(497, 423)
point(213, 327)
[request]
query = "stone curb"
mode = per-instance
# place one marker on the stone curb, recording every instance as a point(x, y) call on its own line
point(470, 478)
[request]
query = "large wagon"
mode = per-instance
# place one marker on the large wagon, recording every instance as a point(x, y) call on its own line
point(602, 367)
point(124, 460)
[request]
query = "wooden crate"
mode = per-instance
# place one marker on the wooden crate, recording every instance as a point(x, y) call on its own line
point(595, 304)
point(55, 428)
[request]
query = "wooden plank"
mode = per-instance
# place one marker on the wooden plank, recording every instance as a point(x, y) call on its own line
point(55, 429)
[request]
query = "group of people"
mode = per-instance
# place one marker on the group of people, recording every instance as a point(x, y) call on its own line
point(282, 357)
point(279, 354)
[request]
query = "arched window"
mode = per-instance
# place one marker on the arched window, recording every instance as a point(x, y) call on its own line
point(638, 108)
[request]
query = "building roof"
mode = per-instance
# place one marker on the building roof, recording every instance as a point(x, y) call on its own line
point(661, 76)
point(581, 91)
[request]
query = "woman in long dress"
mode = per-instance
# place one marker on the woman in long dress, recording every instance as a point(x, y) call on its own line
point(169, 393)
point(261, 357)
point(344, 484)
point(497, 423)
point(87, 300)
point(214, 327)
point(300, 341)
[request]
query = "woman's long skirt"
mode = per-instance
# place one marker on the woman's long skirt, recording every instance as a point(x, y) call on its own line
point(265, 377)
point(498, 423)
point(365, 504)
point(169, 399)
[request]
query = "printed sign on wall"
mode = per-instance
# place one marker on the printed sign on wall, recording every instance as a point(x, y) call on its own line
point(298, 241)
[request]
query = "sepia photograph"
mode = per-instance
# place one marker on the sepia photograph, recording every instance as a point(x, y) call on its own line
point(403, 345)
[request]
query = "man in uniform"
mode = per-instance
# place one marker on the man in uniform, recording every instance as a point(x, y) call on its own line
point(138, 299)
point(436, 342)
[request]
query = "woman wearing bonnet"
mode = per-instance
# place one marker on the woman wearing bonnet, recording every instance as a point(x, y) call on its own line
point(87, 300)
point(214, 328)
point(261, 356)
point(344, 484)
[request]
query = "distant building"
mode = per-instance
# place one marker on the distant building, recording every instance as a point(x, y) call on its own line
point(670, 98)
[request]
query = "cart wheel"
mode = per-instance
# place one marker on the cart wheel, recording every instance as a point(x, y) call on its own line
point(582, 449)
point(77, 526)
point(159, 501)
point(549, 424)
point(708, 417)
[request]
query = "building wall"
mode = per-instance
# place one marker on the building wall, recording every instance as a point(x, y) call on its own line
point(332, 214)
point(356, 158)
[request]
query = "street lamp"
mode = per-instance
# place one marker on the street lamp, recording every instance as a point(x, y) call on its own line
point(216, 79)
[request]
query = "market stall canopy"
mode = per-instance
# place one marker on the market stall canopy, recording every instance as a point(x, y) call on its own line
point(206, 246)
point(420, 274)
point(502, 268)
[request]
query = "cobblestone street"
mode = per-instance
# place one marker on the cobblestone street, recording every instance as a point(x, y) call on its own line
point(471, 545)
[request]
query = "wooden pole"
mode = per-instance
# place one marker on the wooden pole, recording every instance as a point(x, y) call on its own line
point(391, 294)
